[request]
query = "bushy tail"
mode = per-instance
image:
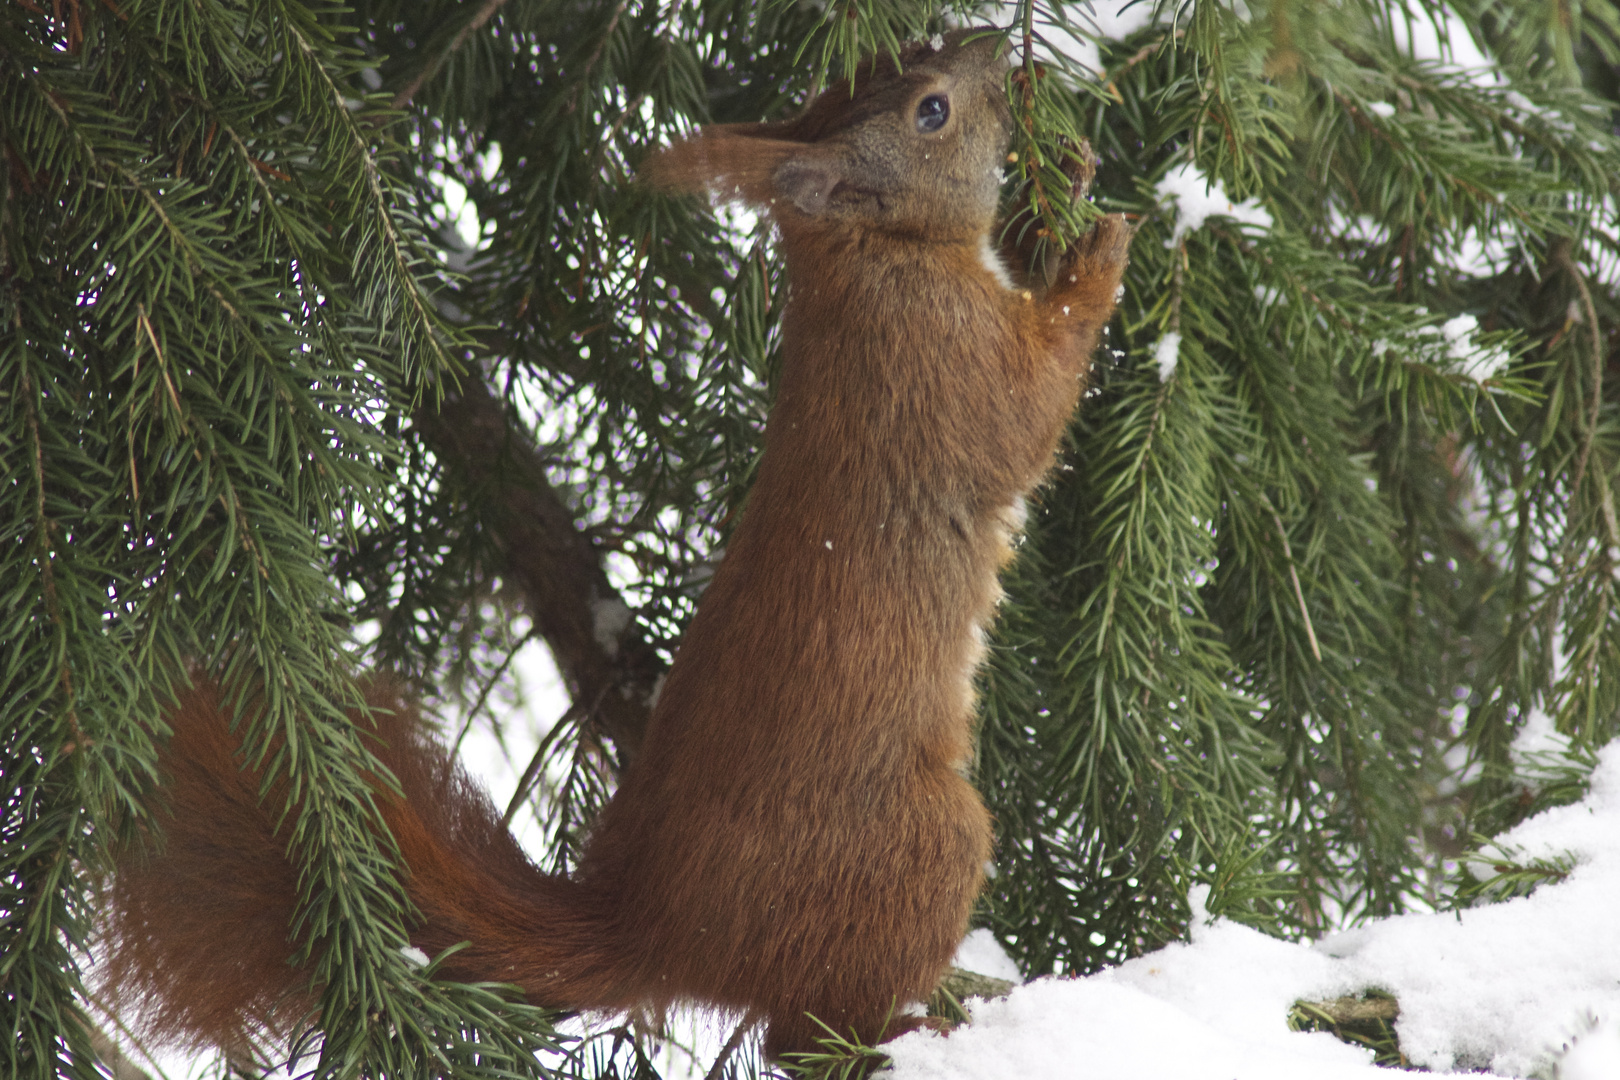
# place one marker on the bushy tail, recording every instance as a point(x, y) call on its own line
point(198, 920)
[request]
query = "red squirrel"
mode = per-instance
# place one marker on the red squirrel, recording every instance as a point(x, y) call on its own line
point(796, 840)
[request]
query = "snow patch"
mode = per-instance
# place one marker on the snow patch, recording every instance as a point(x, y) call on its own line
point(1166, 354)
point(1069, 44)
point(609, 617)
point(982, 954)
point(1198, 198)
point(1500, 986)
point(1537, 737)
point(1519, 987)
point(1452, 347)
point(1593, 1055)
point(1096, 1027)
point(1477, 362)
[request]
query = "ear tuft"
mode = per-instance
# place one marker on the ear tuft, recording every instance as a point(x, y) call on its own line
point(728, 162)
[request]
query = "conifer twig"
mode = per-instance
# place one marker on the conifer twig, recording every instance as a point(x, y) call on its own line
point(431, 68)
point(110, 1052)
point(1293, 575)
point(718, 1069)
point(1589, 436)
point(382, 208)
point(114, 1059)
point(487, 689)
point(596, 54)
point(526, 782)
point(1349, 1010)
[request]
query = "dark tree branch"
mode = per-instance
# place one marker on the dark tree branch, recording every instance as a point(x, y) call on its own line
point(431, 67)
point(607, 666)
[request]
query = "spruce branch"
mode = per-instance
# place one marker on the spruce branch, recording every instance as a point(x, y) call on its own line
point(1293, 575)
point(717, 1071)
point(1595, 402)
point(428, 323)
point(542, 752)
point(437, 61)
point(602, 40)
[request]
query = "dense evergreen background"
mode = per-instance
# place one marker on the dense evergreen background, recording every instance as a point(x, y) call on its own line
point(1279, 615)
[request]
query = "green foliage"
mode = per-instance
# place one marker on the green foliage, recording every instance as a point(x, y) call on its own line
point(1278, 616)
point(1501, 873)
point(1491, 870)
point(1167, 659)
point(840, 1058)
point(210, 292)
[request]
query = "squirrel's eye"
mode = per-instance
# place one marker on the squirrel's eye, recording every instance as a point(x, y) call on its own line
point(932, 112)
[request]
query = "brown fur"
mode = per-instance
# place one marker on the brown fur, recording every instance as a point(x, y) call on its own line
point(796, 837)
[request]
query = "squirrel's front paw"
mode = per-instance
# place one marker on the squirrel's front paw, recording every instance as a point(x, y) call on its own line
point(1101, 253)
point(1087, 281)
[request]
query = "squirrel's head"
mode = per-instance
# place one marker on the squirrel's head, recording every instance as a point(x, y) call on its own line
point(916, 146)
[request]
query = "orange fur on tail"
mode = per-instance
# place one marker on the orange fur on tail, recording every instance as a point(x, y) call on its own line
point(199, 918)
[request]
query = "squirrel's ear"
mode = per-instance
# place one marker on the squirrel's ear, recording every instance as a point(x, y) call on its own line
point(729, 162)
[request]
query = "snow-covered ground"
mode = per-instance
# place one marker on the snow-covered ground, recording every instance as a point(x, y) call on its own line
point(1526, 987)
